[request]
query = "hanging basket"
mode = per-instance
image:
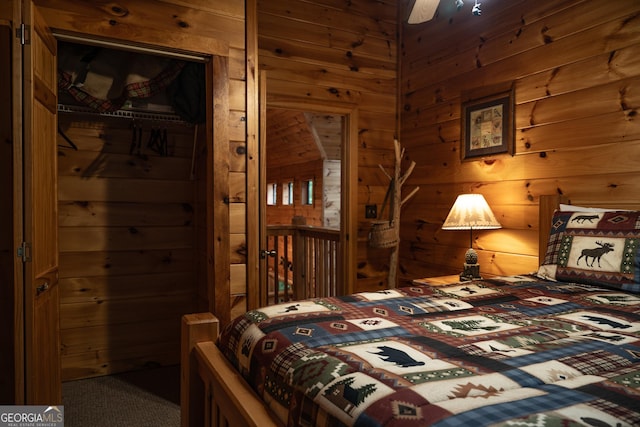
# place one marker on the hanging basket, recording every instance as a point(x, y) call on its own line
point(383, 234)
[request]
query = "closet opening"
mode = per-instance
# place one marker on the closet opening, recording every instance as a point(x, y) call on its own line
point(131, 205)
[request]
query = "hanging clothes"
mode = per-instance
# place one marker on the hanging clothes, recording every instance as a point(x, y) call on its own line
point(104, 79)
point(187, 93)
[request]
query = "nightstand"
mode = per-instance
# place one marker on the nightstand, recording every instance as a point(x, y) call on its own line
point(438, 280)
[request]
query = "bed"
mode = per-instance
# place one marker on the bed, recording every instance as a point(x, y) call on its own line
point(557, 348)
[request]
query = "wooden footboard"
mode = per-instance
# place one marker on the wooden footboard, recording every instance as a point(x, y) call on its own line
point(212, 393)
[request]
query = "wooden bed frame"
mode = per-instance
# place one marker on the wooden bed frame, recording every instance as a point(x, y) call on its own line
point(214, 394)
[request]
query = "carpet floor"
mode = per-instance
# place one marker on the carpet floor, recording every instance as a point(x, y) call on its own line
point(146, 398)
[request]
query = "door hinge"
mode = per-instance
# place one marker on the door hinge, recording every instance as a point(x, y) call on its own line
point(24, 251)
point(22, 33)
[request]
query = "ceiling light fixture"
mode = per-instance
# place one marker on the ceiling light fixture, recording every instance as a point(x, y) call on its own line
point(425, 10)
point(476, 9)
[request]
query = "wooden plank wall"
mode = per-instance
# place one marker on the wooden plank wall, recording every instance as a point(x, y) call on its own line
point(127, 246)
point(343, 52)
point(292, 155)
point(574, 66)
point(197, 25)
point(298, 172)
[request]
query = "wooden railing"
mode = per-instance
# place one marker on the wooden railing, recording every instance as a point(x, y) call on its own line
point(302, 262)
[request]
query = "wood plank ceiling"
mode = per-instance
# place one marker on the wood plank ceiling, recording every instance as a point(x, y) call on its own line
point(297, 137)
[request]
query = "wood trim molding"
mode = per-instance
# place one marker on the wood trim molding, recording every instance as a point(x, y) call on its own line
point(255, 83)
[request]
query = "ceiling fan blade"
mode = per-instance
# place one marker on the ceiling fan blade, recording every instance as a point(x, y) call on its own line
point(423, 11)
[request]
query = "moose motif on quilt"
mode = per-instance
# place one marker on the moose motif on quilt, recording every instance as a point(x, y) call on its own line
point(595, 253)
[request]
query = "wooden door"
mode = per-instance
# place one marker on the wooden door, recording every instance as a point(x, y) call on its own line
point(39, 189)
point(8, 260)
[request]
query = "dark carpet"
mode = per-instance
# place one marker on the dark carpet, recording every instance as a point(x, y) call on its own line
point(146, 398)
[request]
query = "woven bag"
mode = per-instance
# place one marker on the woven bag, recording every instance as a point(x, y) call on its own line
point(383, 235)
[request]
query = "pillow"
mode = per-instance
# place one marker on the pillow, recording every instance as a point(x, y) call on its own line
point(601, 248)
point(572, 208)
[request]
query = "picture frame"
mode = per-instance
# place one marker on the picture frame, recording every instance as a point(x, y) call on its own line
point(487, 126)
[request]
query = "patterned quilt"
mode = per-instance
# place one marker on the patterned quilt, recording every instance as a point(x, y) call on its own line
point(513, 351)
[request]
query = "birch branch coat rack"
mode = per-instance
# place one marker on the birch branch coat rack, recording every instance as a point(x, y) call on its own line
point(386, 234)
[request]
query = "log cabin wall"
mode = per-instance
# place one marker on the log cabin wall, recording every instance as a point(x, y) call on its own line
point(343, 52)
point(574, 69)
point(292, 155)
point(127, 244)
point(132, 335)
point(297, 173)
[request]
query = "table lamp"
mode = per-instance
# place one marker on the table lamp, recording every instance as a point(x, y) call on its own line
point(470, 212)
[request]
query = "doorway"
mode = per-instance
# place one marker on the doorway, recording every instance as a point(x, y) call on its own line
point(128, 206)
point(308, 169)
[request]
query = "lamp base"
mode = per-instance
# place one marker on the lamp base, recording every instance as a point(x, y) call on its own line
point(470, 272)
point(471, 267)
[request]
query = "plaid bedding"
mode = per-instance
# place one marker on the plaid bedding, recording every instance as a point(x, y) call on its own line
point(512, 351)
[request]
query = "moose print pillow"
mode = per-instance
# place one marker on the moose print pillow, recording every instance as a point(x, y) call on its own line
point(600, 248)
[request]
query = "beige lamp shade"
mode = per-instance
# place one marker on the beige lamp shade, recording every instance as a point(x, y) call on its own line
point(470, 212)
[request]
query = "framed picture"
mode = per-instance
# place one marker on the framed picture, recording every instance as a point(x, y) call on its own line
point(487, 126)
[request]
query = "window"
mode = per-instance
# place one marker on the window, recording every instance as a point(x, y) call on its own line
point(307, 192)
point(272, 194)
point(287, 193)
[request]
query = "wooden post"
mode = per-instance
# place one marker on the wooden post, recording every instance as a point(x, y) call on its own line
point(396, 204)
point(395, 209)
point(300, 269)
point(196, 328)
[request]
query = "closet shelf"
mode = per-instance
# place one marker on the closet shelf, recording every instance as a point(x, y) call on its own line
point(126, 114)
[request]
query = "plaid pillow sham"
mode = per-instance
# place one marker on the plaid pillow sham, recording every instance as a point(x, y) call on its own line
point(601, 248)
